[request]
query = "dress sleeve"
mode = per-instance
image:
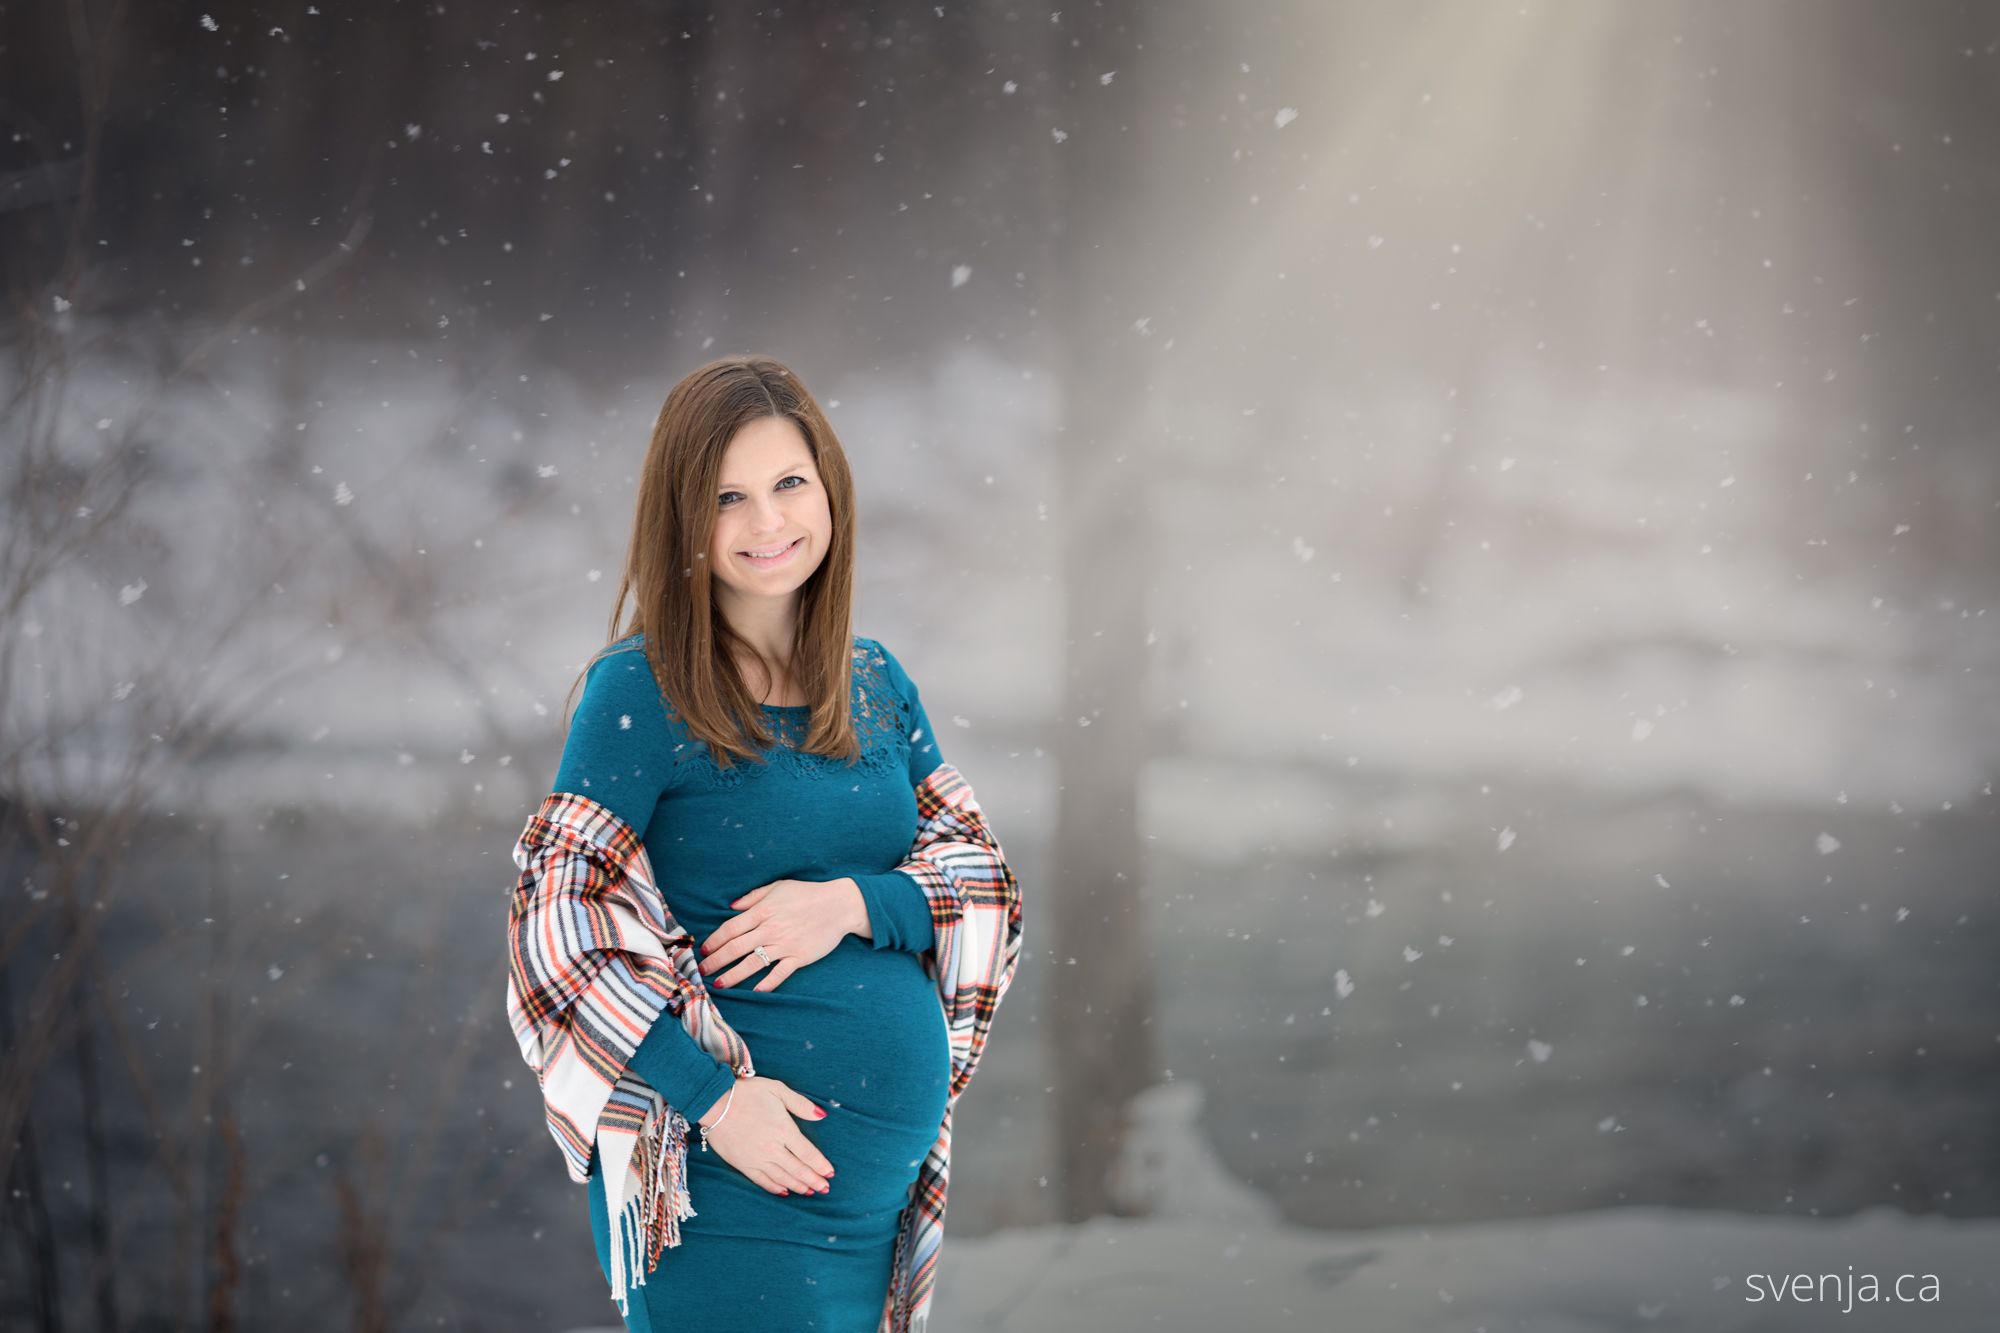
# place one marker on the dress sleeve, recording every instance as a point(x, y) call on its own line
point(617, 753)
point(974, 898)
point(899, 912)
point(677, 1066)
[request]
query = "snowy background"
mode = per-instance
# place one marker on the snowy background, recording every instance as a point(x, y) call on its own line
point(1494, 507)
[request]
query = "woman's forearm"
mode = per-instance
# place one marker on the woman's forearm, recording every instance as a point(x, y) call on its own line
point(891, 911)
point(679, 1069)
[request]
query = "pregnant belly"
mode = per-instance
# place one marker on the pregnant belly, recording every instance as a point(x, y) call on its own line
point(860, 1032)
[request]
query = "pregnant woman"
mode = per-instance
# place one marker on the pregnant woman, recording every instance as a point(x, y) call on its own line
point(761, 928)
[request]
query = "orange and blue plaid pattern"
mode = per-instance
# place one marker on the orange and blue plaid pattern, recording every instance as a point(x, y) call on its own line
point(976, 914)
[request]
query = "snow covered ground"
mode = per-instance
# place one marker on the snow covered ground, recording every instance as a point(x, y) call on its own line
point(1216, 1256)
point(1626, 1268)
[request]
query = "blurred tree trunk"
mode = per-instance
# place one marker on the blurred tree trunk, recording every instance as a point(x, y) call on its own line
point(27, 1198)
point(1909, 186)
point(96, 1150)
point(1098, 937)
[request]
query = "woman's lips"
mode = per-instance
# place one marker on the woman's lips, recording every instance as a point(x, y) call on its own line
point(759, 562)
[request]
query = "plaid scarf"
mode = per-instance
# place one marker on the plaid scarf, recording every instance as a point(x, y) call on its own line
point(595, 958)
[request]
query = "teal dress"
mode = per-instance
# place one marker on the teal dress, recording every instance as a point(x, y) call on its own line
point(861, 1031)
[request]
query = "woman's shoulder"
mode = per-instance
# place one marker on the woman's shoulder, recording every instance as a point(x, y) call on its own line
point(873, 657)
point(619, 661)
point(620, 679)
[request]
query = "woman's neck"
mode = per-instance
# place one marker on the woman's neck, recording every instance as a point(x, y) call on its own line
point(768, 628)
point(765, 664)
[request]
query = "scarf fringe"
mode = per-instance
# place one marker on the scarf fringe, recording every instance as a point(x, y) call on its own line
point(651, 1219)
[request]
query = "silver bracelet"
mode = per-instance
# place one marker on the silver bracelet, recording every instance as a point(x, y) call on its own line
point(726, 1103)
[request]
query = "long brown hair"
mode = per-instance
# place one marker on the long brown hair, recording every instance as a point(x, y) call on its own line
point(688, 642)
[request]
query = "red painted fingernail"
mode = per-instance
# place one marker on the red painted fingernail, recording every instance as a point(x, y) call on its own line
point(784, 1191)
point(822, 1113)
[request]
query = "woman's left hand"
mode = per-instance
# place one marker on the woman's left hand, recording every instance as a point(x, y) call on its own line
point(798, 921)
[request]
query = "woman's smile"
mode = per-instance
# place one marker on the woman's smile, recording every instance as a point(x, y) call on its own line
point(772, 561)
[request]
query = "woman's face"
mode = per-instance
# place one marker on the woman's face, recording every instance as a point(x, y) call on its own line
point(770, 499)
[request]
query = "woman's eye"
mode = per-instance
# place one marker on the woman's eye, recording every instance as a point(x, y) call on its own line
point(729, 497)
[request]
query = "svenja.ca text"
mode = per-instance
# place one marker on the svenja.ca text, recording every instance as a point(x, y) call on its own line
point(1864, 1288)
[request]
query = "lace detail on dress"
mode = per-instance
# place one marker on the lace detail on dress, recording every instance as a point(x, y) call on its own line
point(881, 729)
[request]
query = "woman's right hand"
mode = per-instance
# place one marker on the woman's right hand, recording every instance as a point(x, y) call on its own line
point(759, 1138)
